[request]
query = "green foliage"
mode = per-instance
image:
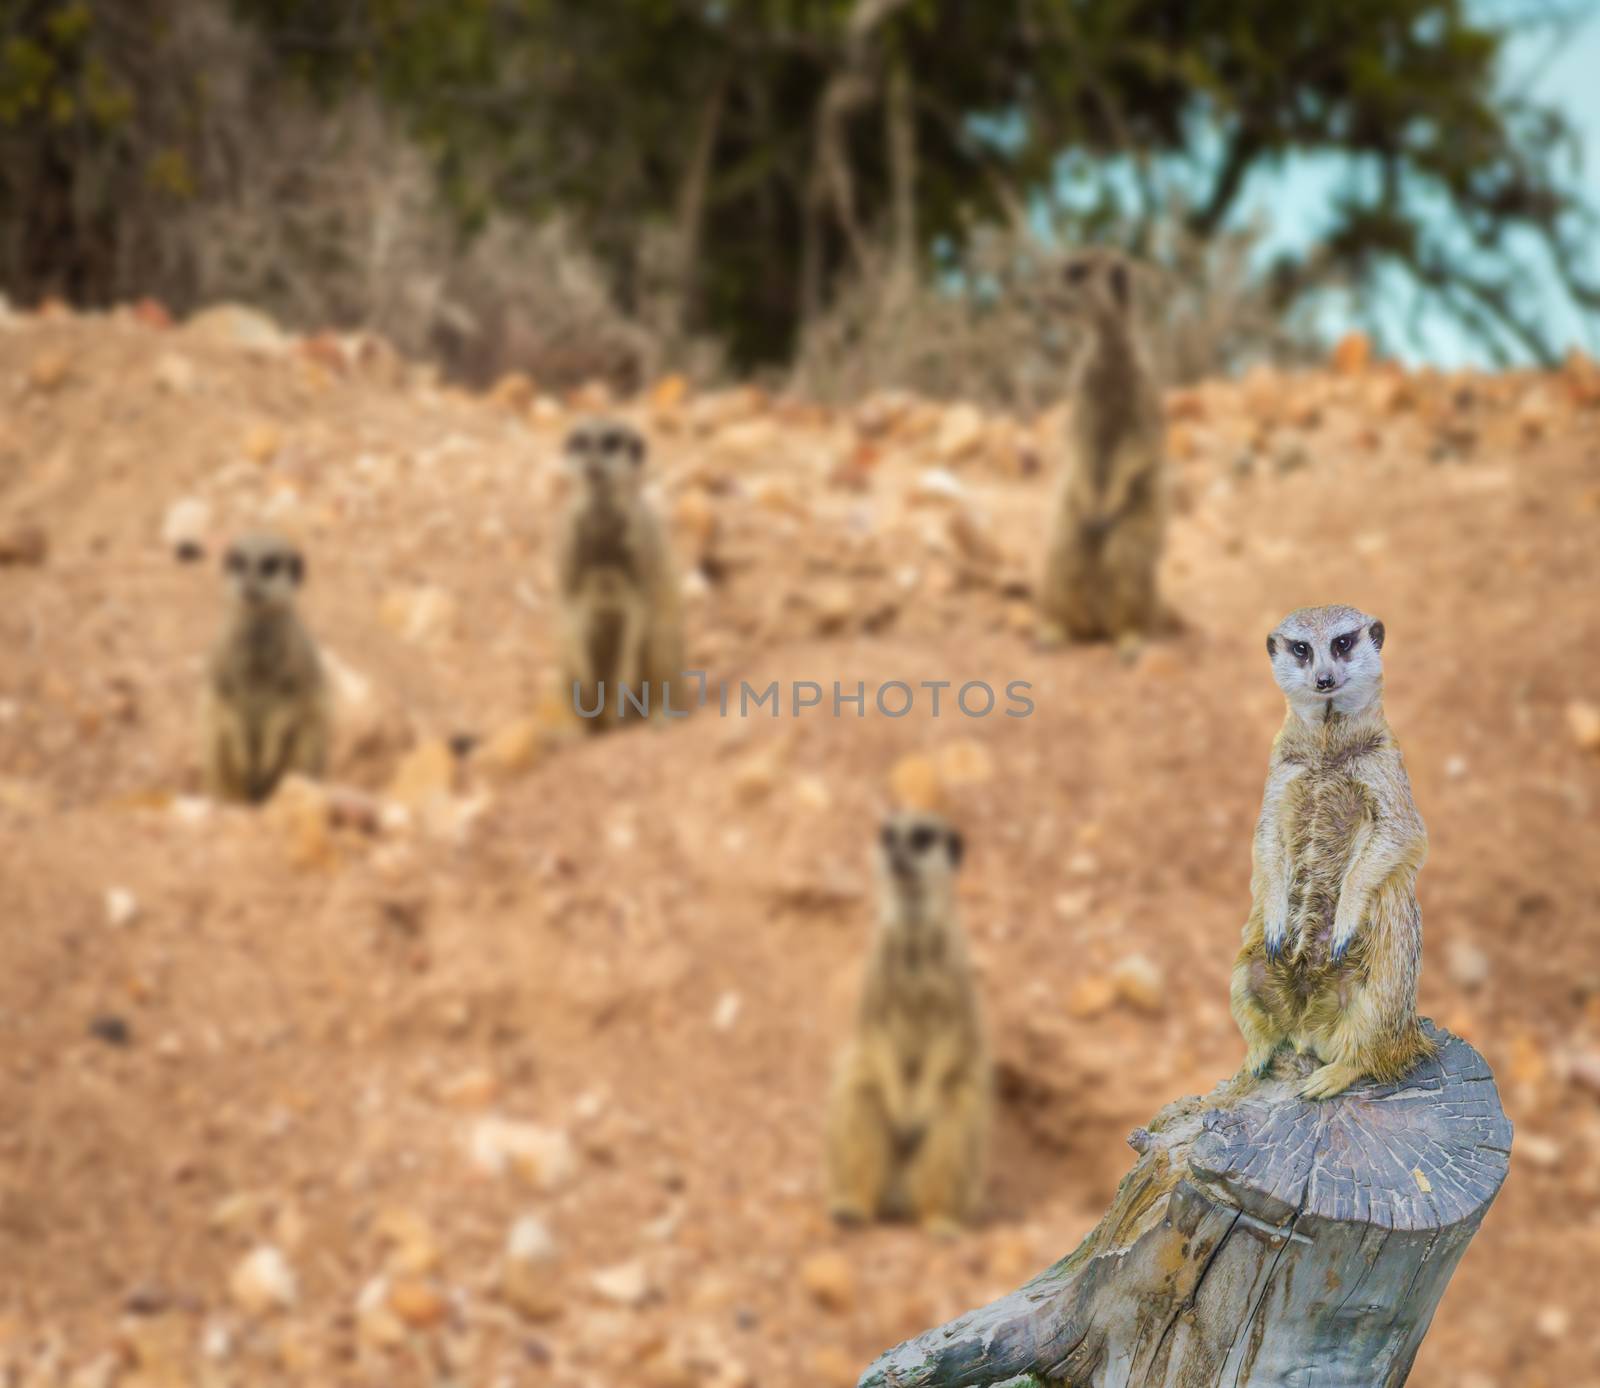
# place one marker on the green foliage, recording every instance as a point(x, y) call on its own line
point(593, 108)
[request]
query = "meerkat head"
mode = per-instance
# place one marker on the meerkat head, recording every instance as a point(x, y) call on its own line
point(606, 456)
point(1097, 285)
point(264, 571)
point(918, 856)
point(1327, 658)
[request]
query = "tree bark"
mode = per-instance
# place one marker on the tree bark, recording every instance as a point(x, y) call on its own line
point(1259, 1240)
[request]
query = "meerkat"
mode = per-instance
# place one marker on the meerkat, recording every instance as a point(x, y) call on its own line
point(1111, 509)
point(266, 704)
point(908, 1118)
point(1333, 945)
point(622, 643)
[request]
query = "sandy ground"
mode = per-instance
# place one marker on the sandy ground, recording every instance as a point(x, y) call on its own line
point(513, 1073)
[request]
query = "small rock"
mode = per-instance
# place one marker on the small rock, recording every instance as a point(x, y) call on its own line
point(49, 370)
point(1352, 354)
point(833, 1366)
point(416, 1302)
point(262, 443)
point(511, 751)
point(830, 1280)
point(515, 391)
point(1091, 996)
point(543, 1157)
point(1554, 1323)
point(419, 615)
point(1583, 719)
point(23, 546)
point(472, 1089)
point(185, 526)
point(1540, 1150)
point(237, 326)
point(299, 813)
point(263, 1281)
point(529, 1280)
point(425, 774)
point(939, 484)
point(175, 374)
point(111, 1029)
point(915, 784)
point(965, 763)
point(122, 907)
point(1140, 983)
point(413, 1247)
point(960, 433)
point(1584, 1069)
point(376, 1322)
point(627, 1284)
point(152, 313)
point(726, 1012)
point(1468, 965)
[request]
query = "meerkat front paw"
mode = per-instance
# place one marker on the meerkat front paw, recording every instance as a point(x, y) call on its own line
point(1344, 934)
point(1329, 1080)
point(1258, 1060)
point(847, 1213)
point(1274, 935)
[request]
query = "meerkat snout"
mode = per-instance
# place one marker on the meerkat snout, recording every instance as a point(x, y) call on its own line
point(919, 850)
point(263, 570)
point(1327, 657)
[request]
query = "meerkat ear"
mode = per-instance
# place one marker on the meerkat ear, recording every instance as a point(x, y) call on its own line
point(957, 846)
point(1272, 644)
point(1375, 631)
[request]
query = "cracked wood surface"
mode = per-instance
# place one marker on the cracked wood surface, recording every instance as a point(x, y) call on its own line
point(1259, 1240)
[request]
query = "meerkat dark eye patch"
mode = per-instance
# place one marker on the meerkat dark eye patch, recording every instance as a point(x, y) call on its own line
point(886, 838)
point(923, 838)
point(957, 847)
point(269, 566)
point(234, 562)
point(1119, 284)
point(613, 441)
point(1077, 271)
point(1375, 631)
point(636, 449)
point(1301, 650)
point(1344, 644)
point(297, 568)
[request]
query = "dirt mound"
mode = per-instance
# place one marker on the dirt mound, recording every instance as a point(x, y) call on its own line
point(507, 1061)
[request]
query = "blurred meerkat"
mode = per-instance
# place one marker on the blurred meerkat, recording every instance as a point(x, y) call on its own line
point(621, 620)
point(266, 705)
point(1111, 509)
point(908, 1118)
point(1333, 945)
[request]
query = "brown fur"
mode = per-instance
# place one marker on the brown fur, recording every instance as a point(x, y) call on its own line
point(266, 709)
point(1111, 512)
point(909, 1116)
point(1338, 847)
point(620, 597)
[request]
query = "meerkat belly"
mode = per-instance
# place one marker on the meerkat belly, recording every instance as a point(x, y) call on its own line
point(1328, 811)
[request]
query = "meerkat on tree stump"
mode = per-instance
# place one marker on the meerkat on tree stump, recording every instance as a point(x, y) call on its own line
point(1333, 945)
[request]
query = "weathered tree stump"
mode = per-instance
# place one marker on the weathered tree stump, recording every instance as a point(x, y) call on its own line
point(1258, 1240)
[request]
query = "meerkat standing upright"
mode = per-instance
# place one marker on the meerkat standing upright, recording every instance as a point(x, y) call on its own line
point(1333, 945)
point(266, 707)
point(1111, 510)
point(622, 632)
point(909, 1115)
